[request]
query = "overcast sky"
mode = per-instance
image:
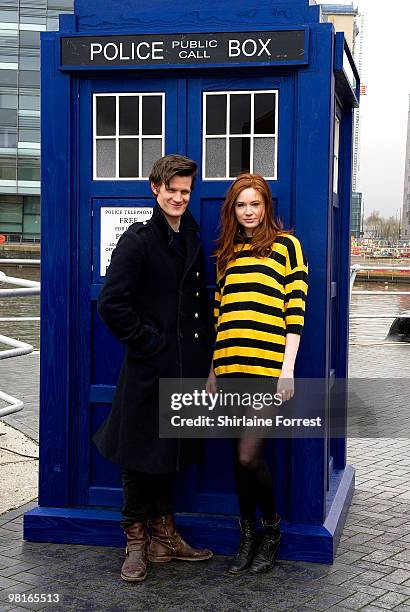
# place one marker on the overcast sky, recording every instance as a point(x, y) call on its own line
point(386, 71)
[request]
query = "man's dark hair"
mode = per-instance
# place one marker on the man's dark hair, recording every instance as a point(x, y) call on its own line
point(169, 166)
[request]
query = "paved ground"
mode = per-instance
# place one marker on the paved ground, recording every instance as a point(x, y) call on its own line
point(371, 572)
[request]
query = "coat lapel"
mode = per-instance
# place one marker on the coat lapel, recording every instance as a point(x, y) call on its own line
point(190, 229)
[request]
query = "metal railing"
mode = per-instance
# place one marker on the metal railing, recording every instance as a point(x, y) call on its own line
point(18, 348)
point(19, 238)
point(355, 268)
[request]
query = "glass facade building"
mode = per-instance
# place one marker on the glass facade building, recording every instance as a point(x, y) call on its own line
point(21, 22)
point(356, 216)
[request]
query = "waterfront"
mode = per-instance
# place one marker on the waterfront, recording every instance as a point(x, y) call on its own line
point(362, 331)
point(22, 306)
point(369, 331)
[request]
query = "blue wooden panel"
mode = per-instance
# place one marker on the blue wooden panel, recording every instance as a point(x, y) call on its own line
point(102, 473)
point(105, 496)
point(338, 445)
point(56, 171)
point(219, 533)
point(346, 71)
point(106, 353)
point(160, 16)
point(209, 216)
point(102, 394)
point(311, 218)
point(100, 354)
point(341, 491)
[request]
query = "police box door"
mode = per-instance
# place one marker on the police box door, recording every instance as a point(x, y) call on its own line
point(124, 125)
point(235, 125)
point(228, 126)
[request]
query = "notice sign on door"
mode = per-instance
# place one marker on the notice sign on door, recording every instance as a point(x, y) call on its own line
point(114, 221)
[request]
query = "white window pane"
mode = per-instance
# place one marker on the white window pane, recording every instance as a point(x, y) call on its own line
point(151, 151)
point(264, 156)
point(105, 158)
point(215, 158)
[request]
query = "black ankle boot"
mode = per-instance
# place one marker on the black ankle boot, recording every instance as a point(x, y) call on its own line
point(247, 547)
point(264, 558)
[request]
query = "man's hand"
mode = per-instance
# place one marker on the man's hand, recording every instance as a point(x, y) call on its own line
point(286, 385)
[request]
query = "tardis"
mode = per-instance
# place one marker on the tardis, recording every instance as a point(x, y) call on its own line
point(261, 86)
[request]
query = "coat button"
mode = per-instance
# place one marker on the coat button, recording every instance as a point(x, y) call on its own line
point(196, 315)
point(196, 335)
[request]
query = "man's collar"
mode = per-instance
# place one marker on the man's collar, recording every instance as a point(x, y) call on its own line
point(187, 221)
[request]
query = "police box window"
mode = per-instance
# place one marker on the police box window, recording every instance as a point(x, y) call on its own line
point(128, 134)
point(240, 134)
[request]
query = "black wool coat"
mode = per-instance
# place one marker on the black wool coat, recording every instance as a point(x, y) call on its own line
point(155, 301)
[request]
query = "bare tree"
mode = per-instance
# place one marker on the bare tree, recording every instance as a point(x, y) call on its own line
point(372, 224)
point(380, 228)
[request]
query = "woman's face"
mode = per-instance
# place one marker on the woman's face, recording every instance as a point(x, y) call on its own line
point(249, 209)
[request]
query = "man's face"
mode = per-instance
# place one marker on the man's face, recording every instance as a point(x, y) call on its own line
point(174, 199)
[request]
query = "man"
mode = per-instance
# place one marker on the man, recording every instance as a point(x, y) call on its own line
point(154, 301)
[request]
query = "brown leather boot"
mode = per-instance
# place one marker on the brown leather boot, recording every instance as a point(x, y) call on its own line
point(134, 568)
point(167, 544)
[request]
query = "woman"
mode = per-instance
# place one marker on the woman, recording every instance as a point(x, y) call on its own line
point(259, 313)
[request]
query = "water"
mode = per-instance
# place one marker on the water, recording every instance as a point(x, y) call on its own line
point(369, 331)
point(21, 306)
point(362, 331)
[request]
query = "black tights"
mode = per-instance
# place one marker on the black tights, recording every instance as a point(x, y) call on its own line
point(253, 480)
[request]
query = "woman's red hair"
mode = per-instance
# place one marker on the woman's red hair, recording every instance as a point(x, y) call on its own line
point(232, 233)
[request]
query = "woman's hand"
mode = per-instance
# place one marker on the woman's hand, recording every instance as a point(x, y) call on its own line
point(286, 385)
point(211, 386)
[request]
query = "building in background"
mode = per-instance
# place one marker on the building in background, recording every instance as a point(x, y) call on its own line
point(21, 22)
point(405, 220)
point(346, 18)
point(356, 223)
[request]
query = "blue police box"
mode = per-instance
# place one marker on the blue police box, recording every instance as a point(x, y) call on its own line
point(252, 86)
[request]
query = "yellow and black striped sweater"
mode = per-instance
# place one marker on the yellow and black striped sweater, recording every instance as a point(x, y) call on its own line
point(257, 302)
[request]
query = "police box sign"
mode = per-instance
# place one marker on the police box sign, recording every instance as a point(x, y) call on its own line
point(278, 47)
